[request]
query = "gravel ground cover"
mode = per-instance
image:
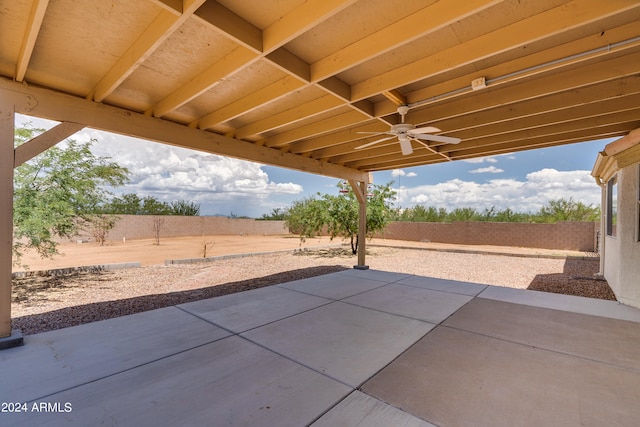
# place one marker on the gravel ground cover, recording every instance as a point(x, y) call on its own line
point(52, 302)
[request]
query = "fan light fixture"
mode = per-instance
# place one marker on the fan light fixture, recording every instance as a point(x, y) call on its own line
point(406, 132)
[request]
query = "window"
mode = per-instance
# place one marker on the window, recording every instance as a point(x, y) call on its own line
point(612, 206)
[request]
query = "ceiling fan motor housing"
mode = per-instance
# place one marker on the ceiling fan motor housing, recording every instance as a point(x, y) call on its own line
point(401, 128)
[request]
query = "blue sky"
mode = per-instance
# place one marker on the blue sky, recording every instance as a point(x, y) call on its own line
point(522, 181)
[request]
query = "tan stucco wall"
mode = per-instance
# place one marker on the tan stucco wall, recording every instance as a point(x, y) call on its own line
point(622, 253)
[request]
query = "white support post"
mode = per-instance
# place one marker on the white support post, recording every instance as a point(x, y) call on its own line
point(360, 190)
point(8, 338)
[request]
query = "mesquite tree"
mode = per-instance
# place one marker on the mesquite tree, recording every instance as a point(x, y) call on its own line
point(56, 193)
point(338, 214)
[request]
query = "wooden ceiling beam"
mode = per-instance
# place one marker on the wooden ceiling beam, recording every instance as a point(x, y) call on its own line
point(241, 106)
point(326, 142)
point(565, 55)
point(611, 130)
point(320, 127)
point(580, 135)
point(204, 81)
point(173, 6)
point(614, 68)
point(516, 35)
point(385, 150)
point(548, 130)
point(231, 25)
point(268, 44)
point(569, 54)
point(611, 90)
point(418, 24)
point(34, 23)
point(160, 29)
point(67, 108)
point(309, 14)
point(396, 97)
point(335, 144)
point(598, 114)
point(289, 117)
point(593, 111)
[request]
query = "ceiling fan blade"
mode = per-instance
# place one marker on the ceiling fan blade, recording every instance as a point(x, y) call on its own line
point(405, 146)
point(425, 129)
point(439, 138)
point(369, 144)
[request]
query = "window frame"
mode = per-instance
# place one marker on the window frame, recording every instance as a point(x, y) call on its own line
point(612, 206)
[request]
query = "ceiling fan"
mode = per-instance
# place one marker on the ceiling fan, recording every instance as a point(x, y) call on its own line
point(407, 132)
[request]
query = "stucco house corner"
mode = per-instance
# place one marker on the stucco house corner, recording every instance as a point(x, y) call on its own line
point(617, 172)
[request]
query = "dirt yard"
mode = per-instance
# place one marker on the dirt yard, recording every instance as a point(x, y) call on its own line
point(147, 252)
point(42, 303)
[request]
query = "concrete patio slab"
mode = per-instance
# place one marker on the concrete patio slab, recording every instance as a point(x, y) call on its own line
point(345, 342)
point(358, 409)
point(458, 378)
point(228, 382)
point(290, 357)
point(610, 341)
point(65, 358)
point(591, 306)
point(384, 276)
point(416, 303)
point(335, 286)
point(444, 285)
point(247, 310)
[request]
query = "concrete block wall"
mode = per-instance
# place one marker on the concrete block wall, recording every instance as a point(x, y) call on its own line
point(141, 227)
point(579, 236)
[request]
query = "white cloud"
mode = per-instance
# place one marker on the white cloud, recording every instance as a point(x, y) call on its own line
point(400, 172)
point(219, 184)
point(490, 169)
point(528, 195)
point(489, 159)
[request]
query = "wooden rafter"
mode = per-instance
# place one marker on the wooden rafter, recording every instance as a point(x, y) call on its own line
point(68, 108)
point(36, 16)
point(160, 29)
point(419, 24)
point(518, 34)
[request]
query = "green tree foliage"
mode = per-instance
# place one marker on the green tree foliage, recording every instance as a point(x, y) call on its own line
point(338, 214)
point(567, 210)
point(56, 193)
point(277, 214)
point(184, 208)
point(553, 211)
point(422, 214)
point(463, 214)
point(132, 204)
point(307, 217)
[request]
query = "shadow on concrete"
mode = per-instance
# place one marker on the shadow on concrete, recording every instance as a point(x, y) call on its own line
point(577, 278)
point(86, 313)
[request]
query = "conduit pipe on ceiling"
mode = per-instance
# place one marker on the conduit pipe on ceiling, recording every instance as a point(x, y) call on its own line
point(520, 73)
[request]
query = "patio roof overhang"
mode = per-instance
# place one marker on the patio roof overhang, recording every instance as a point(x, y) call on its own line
point(617, 155)
point(298, 80)
point(294, 83)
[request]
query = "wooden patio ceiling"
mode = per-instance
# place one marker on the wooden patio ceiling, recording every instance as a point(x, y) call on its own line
point(292, 82)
